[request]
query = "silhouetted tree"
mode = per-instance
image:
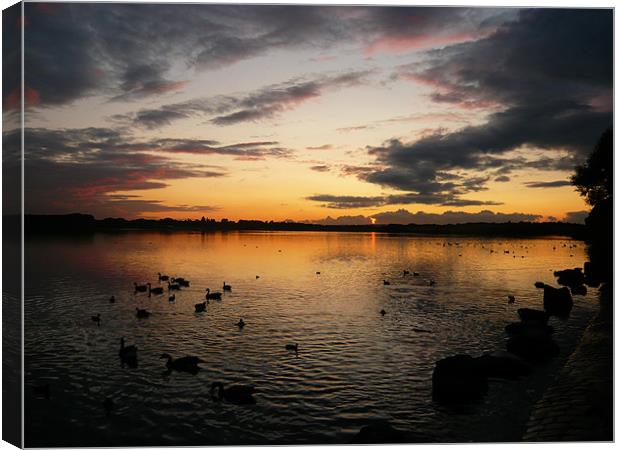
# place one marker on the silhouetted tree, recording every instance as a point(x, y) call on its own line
point(594, 181)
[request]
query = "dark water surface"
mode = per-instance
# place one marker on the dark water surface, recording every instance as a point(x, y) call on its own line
point(353, 366)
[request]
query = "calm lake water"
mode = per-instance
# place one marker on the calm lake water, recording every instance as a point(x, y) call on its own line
point(353, 367)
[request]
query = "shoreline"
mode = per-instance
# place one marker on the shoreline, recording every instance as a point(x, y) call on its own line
point(578, 405)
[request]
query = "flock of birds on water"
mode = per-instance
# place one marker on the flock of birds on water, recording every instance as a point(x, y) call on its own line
point(239, 394)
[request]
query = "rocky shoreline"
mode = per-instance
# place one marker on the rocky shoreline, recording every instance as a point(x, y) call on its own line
point(578, 406)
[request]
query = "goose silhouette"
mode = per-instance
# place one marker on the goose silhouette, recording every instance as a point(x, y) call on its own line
point(173, 286)
point(172, 298)
point(294, 347)
point(112, 299)
point(163, 277)
point(96, 319)
point(201, 307)
point(241, 323)
point(140, 287)
point(142, 313)
point(156, 290)
point(227, 287)
point(184, 364)
point(238, 394)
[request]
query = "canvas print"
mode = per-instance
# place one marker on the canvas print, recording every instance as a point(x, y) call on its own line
point(232, 224)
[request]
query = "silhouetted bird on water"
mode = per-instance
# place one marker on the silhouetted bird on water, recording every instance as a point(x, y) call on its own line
point(128, 354)
point(294, 347)
point(431, 283)
point(185, 364)
point(156, 290)
point(172, 298)
point(174, 287)
point(181, 281)
point(241, 323)
point(227, 287)
point(42, 391)
point(163, 277)
point(112, 299)
point(386, 283)
point(142, 313)
point(213, 295)
point(318, 273)
point(201, 307)
point(416, 274)
point(96, 319)
point(237, 394)
point(383, 312)
point(511, 299)
point(405, 272)
point(257, 277)
point(140, 287)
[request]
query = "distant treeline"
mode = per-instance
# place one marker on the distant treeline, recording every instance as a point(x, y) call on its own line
point(84, 223)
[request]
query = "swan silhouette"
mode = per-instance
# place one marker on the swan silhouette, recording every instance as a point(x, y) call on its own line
point(213, 295)
point(201, 307)
point(238, 394)
point(163, 277)
point(227, 287)
point(128, 354)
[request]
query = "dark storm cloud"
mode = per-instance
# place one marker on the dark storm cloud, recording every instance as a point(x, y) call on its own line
point(81, 169)
point(258, 105)
point(548, 73)
point(347, 201)
point(124, 51)
point(548, 184)
point(351, 201)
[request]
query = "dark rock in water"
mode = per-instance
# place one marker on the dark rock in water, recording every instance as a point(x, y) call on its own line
point(557, 302)
point(539, 285)
point(383, 433)
point(591, 274)
point(503, 365)
point(531, 329)
point(533, 315)
point(533, 348)
point(458, 379)
point(579, 290)
point(570, 277)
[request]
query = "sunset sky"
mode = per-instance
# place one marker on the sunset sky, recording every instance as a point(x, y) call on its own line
point(384, 114)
